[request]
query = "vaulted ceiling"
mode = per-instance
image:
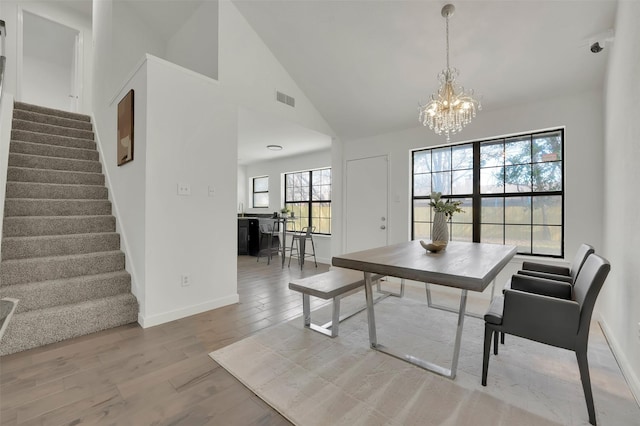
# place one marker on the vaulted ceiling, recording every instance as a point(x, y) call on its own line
point(366, 64)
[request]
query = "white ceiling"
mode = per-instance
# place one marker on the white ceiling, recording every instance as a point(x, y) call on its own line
point(365, 65)
point(256, 131)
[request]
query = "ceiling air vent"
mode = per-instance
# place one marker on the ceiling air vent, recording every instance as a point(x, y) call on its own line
point(285, 99)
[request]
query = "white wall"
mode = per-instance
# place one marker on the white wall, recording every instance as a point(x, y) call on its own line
point(620, 299)
point(275, 170)
point(249, 74)
point(581, 114)
point(132, 38)
point(195, 44)
point(10, 11)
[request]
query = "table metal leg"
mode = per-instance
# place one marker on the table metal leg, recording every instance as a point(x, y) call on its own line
point(449, 309)
point(306, 310)
point(438, 369)
point(371, 318)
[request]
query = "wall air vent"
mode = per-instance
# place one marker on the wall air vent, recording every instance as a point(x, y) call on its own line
point(286, 99)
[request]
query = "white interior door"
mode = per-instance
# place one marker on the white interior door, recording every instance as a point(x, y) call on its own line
point(366, 203)
point(50, 67)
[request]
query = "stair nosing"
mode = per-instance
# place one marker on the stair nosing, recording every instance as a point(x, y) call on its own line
point(52, 184)
point(61, 158)
point(51, 145)
point(74, 256)
point(59, 217)
point(51, 125)
point(71, 236)
point(102, 200)
point(53, 135)
point(19, 105)
point(50, 115)
point(77, 277)
point(51, 170)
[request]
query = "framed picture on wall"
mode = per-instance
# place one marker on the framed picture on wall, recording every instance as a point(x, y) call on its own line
point(125, 129)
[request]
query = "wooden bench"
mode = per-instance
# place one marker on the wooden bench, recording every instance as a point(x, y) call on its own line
point(335, 284)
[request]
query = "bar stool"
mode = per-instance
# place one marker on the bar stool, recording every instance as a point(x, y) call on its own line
point(269, 241)
point(300, 239)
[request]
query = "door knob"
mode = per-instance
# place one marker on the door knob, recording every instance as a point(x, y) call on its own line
point(383, 218)
point(383, 227)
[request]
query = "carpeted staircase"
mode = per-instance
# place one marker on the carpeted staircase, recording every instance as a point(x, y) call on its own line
point(60, 254)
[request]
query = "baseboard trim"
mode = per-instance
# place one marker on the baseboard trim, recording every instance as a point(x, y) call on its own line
point(623, 361)
point(150, 321)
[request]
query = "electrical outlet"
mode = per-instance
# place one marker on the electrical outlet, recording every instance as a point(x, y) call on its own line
point(184, 189)
point(185, 280)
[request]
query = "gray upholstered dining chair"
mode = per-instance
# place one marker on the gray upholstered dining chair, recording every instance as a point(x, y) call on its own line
point(560, 319)
point(555, 272)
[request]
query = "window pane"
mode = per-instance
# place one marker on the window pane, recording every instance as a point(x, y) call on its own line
point(547, 240)
point(441, 182)
point(422, 161)
point(492, 234)
point(547, 147)
point(492, 180)
point(461, 232)
point(303, 193)
point(466, 216)
point(517, 210)
point(492, 210)
point(441, 159)
point(462, 157)
point(261, 199)
point(422, 185)
point(462, 182)
point(421, 211)
point(491, 154)
point(517, 151)
point(261, 184)
point(321, 192)
point(422, 231)
point(547, 210)
point(517, 178)
point(518, 235)
point(547, 176)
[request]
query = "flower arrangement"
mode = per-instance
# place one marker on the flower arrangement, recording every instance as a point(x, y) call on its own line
point(448, 207)
point(284, 210)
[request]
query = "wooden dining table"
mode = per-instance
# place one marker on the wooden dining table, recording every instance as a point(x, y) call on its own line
point(467, 266)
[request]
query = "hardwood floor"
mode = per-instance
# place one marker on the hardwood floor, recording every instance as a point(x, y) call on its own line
point(161, 375)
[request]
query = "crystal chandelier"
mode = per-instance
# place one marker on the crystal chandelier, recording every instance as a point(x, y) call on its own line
point(451, 108)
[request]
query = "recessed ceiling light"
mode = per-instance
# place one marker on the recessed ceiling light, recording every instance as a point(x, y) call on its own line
point(274, 147)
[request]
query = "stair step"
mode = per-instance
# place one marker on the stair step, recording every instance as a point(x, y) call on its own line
point(50, 111)
point(51, 129)
point(55, 190)
point(59, 245)
point(45, 150)
point(27, 136)
point(40, 327)
point(54, 120)
point(53, 163)
point(25, 174)
point(55, 207)
point(23, 226)
point(20, 271)
point(45, 294)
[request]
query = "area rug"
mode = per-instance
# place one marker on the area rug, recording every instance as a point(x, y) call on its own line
point(312, 379)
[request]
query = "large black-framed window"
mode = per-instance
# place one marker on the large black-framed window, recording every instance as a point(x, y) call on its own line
point(308, 196)
point(512, 191)
point(261, 192)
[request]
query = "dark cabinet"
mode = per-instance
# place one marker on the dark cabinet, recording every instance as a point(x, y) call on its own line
point(248, 236)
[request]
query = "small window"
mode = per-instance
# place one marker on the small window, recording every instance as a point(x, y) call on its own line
point(308, 196)
point(261, 192)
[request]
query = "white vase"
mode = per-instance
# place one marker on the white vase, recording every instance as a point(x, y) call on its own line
point(440, 229)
